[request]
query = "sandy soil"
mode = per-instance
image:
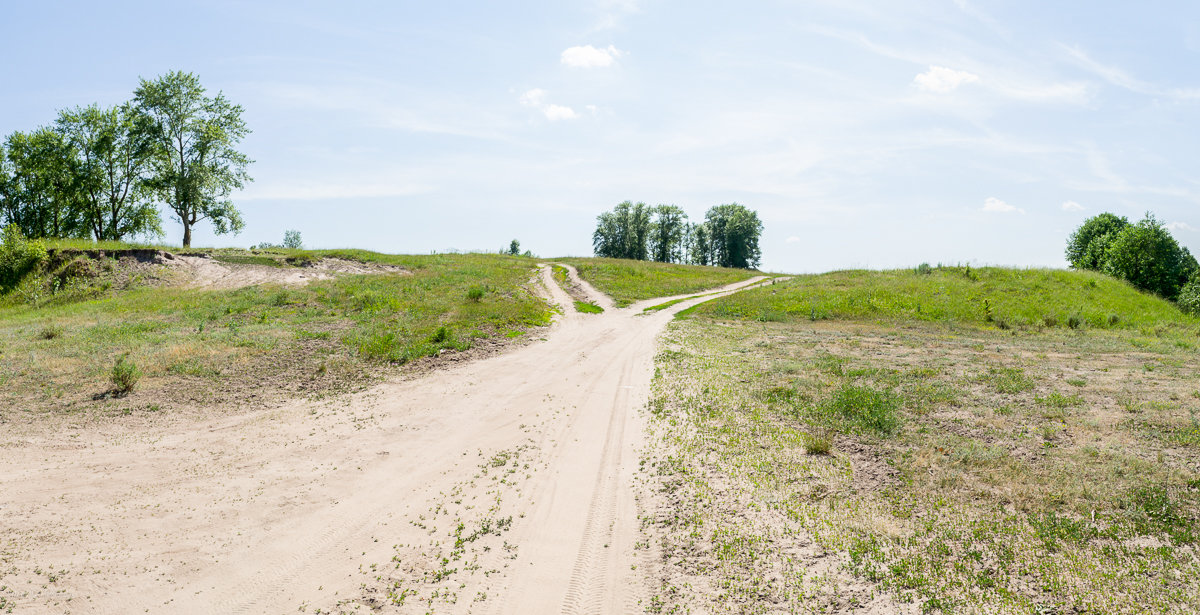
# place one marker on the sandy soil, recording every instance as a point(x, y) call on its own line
point(204, 272)
point(502, 485)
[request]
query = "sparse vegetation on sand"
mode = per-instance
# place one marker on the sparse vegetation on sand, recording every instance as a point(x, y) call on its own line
point(205, 346)
point(872, 438)
point(627, 281)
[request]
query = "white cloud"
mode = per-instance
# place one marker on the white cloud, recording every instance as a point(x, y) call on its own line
point(1179, 226)
point(941, 79)
point(995, 205)
point(1072, 206)
point(587, 56)
point(559, 112)
point(793, 239)
point(536, 99)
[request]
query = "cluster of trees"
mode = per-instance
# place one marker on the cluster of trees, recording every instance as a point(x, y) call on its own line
point(101, 172)
point(1144, 254)
point(728, 236)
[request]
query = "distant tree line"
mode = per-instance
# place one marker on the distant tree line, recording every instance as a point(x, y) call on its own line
point(101, 172)
point(1143, 254)
point(727, 237)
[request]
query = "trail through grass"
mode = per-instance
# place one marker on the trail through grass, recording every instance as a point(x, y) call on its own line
point(628, 281)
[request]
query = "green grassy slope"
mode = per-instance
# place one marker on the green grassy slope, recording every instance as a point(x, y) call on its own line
point(52, 351)
point(627, 281)
point(987, 296)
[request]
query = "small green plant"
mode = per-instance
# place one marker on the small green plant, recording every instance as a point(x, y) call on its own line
point(475, 294)
point(819, 443)
point(1050, 321)
point(18, 257)
point(125, 375)
point(50, 332)
point(923, 269)
point(1074, 321)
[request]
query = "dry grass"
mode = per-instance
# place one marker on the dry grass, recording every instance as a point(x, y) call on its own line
point(1026, 472)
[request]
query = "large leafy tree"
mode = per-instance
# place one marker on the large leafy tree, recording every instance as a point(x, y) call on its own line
point(1147, 256)
point(734, 232)
point(623, 232)
point(1087, 245)
point(196, 165)
point(41, 191)
point(114, 156)
point(667, 234)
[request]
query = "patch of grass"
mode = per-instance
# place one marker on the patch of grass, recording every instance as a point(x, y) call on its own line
point(629, 281)
point(1007, 380)
point(587, 307)
point(865, 409)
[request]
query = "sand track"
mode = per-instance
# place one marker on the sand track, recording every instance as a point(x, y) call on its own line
point(499, 486)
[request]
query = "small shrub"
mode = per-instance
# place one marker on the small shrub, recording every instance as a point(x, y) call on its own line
point(1189, 297)
point(923, 269)
point(1113, 320)
point(442, 335)
point(817, 443)
point(125, 375)
point(18, 256)
point(50, 332)
point(1074, 321)
point(475, 294)
point(1050, 322)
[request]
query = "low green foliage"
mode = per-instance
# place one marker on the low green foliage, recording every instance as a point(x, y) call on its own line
point(18, 257)
point(125, 375)
point(864, 409)
point(627, 281)
point(1022, 298)
point(588, 307)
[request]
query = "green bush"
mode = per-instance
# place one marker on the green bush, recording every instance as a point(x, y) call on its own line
point(863, 408)
point(475, 294)
point(18, 256)
point(1189, 297)
point(1147, 256)
point(125, 375)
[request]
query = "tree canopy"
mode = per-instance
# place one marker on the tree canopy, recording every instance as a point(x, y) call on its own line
point(99, 171)
point(1144, 254)
point(195, 163)
point(728, 236)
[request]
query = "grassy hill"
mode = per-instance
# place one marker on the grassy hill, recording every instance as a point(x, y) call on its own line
point(988, 296)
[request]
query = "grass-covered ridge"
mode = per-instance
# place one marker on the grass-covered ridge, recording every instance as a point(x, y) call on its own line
point(988, 296)
point(627, 281)
point(57, 356)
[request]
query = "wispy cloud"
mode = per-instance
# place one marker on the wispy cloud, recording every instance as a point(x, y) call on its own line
point(995, 205)
point(1072, 206)
point(587, 56)
point(1179, 226)
point(941, 80)
point(1119, 77)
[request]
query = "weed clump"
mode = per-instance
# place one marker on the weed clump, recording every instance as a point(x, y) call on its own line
point(125, 375)
point(50, 332)
point(475, 294)
point(817, 443)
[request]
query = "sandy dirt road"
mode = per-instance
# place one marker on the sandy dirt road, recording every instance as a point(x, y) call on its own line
point(499, 486)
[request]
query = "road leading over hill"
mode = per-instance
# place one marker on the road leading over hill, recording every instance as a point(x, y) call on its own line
point(503, 485)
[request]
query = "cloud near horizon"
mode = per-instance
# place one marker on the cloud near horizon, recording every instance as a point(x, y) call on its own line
point(1072, 206)
point(995, 205)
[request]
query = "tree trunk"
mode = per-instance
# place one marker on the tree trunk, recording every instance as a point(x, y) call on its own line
point(187, 234)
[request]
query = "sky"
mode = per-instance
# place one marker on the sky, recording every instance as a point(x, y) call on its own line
point(865, 134)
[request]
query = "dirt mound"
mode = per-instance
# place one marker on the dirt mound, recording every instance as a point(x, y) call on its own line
point(204, 271)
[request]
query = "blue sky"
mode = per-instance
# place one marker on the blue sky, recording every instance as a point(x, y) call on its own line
point(866, 134)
